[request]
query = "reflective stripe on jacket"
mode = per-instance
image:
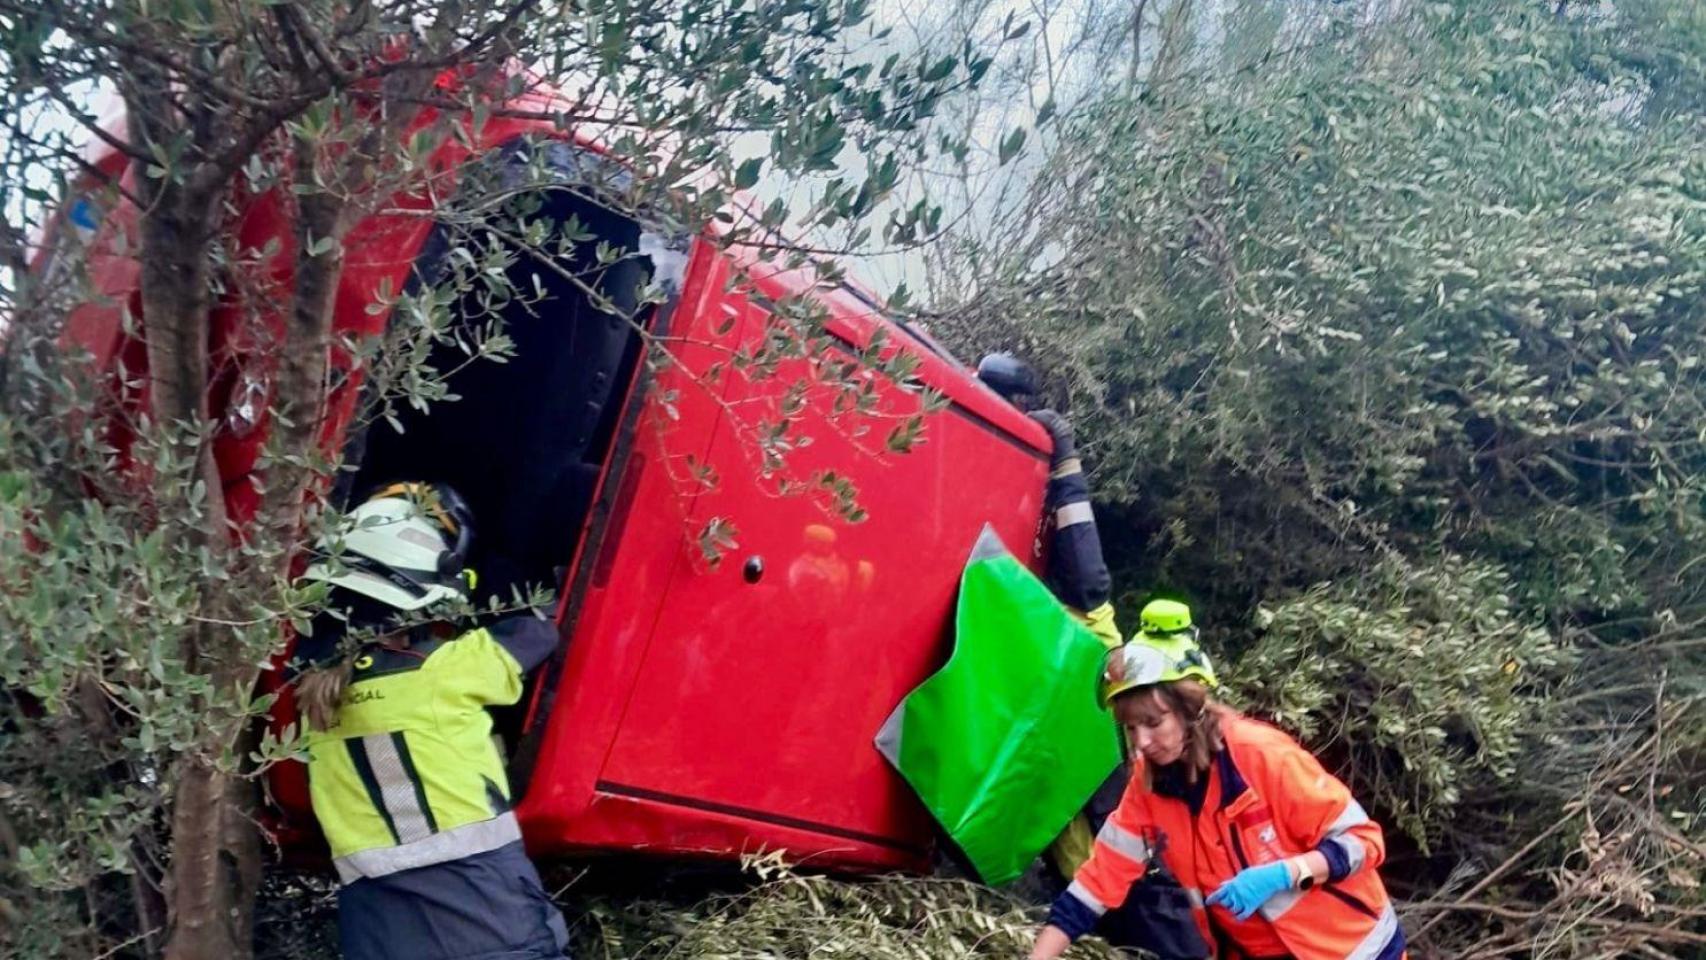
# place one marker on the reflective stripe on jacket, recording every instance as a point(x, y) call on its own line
point(408, 775)
point(1266, 799)
point(1077, 572)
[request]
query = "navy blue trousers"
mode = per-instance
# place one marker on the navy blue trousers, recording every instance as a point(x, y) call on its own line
point(490, 906)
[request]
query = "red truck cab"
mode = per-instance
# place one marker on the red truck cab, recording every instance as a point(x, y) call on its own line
point(692, 708)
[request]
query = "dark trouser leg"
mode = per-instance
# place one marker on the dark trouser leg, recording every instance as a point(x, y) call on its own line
point(490, 906)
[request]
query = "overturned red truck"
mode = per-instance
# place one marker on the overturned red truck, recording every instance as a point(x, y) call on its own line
point(691, 709)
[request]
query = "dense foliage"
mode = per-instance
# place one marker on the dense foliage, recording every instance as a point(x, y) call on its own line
point(1388, 353)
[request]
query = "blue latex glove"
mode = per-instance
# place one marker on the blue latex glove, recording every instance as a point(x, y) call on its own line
point(1252, 887)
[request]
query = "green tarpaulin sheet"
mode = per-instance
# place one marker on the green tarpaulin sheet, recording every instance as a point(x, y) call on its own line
point(1007, 741)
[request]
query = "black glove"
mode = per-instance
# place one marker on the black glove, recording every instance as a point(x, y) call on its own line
point(1060, 429)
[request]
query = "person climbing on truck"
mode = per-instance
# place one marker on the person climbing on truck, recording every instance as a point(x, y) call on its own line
point(1077, 573)
point(1279, 859)
point(406, 782)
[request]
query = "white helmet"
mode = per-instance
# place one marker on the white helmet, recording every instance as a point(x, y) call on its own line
point(406, 547)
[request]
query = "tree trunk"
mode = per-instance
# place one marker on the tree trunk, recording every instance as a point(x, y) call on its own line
point(216, 864)
point(301, 391)
point(176, 300)
point(215, 848)
point(215, 856)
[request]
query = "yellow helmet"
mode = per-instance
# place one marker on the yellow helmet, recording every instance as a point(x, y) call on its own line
point(1161, 618)
point(1164, 651)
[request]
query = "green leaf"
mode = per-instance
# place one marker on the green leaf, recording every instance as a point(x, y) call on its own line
point(940, 70)
point(1011, 145)
point(746, 175)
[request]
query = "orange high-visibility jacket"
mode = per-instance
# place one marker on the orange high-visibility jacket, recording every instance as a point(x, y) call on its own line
point(1266, 798)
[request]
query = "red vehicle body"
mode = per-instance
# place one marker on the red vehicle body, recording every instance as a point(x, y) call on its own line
point(692, 709)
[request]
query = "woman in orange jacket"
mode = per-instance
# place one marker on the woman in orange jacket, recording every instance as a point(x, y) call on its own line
point(1277, 857)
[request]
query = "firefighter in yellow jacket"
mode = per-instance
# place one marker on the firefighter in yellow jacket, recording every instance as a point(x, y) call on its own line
point(1278, 858)
point(404, 776)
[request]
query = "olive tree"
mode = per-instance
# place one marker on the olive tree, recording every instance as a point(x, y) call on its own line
point(137, 605)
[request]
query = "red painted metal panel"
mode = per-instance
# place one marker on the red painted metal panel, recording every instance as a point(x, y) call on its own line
point(758, 697)
point(636, 563)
